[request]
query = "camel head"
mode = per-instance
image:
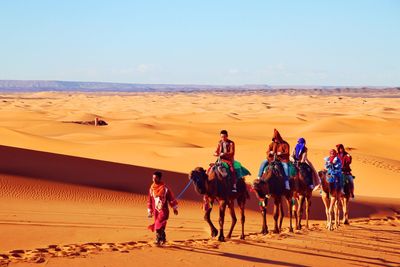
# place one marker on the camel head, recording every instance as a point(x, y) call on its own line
point(322, 174)
point(199, 178)
point(324, 182)
point(260, 187)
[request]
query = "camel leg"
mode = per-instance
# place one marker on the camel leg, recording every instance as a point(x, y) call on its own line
point(264, 229)
point(294, 209)
point(222, 207)
point(308, 204)
point(337, 213)
point(277, 203)
point(290, 211)
point(281, 214)
point(335, 208)
point(342, 202)
point(242, 218)
point(231, 207)
point(300, 211)
point(328, 219)
point(325, 200)
point(345, 204)
point(331, 211)
point(207, 218)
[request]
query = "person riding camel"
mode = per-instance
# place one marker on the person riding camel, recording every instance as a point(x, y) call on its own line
point(333, 165)
point(299, 155)
point(226, 152)
point(346, 160)
point(279, 149)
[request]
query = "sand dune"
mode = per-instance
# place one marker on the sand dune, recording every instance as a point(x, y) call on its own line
point(78, 191)
point(46, 176)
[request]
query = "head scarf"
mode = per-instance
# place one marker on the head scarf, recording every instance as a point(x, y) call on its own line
point(338, 147)
point(331, 158)
point(158, 189)
point(301, 143)
point(277, 136)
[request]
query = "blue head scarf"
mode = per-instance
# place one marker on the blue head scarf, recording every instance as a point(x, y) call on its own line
point(301, 143)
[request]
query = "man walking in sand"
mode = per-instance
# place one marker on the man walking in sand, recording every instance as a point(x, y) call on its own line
point(160, 196)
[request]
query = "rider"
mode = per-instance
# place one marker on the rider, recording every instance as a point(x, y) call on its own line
point(299, 155)
point(346, 161)
point(226, 152)
point(279, 148)
point(333, 165)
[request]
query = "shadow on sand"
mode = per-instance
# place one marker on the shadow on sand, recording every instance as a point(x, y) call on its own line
point(124, 177)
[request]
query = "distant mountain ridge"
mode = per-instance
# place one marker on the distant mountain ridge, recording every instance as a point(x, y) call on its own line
point(43, 85)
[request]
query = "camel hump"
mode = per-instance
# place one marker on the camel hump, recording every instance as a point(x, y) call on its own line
point(305, 169)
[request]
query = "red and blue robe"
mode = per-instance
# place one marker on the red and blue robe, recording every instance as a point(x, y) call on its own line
point(159, 198)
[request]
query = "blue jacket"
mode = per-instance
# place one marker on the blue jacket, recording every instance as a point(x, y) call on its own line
point(335, 168)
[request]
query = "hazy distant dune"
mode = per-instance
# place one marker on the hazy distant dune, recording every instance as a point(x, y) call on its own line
point(38, 86)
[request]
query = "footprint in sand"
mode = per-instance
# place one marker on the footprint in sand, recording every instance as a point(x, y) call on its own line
point(39, 255)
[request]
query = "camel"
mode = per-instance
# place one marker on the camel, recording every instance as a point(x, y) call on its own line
point(272, 185)
point(331, 194)
point(302, 193)
point(215, 186)
point(345, 201)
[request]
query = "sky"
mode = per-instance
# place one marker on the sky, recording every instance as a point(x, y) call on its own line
point(287, 42)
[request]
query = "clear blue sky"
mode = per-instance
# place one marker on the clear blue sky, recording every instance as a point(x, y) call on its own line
point(202, 42)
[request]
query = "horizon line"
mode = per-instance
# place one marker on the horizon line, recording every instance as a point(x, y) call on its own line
point(206, 84)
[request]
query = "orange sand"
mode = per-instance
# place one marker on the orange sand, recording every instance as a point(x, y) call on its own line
point(66, 201)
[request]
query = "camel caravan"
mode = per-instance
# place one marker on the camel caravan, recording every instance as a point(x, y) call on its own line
point(283, 176)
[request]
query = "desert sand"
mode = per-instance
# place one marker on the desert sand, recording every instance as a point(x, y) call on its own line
point(75, 195)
